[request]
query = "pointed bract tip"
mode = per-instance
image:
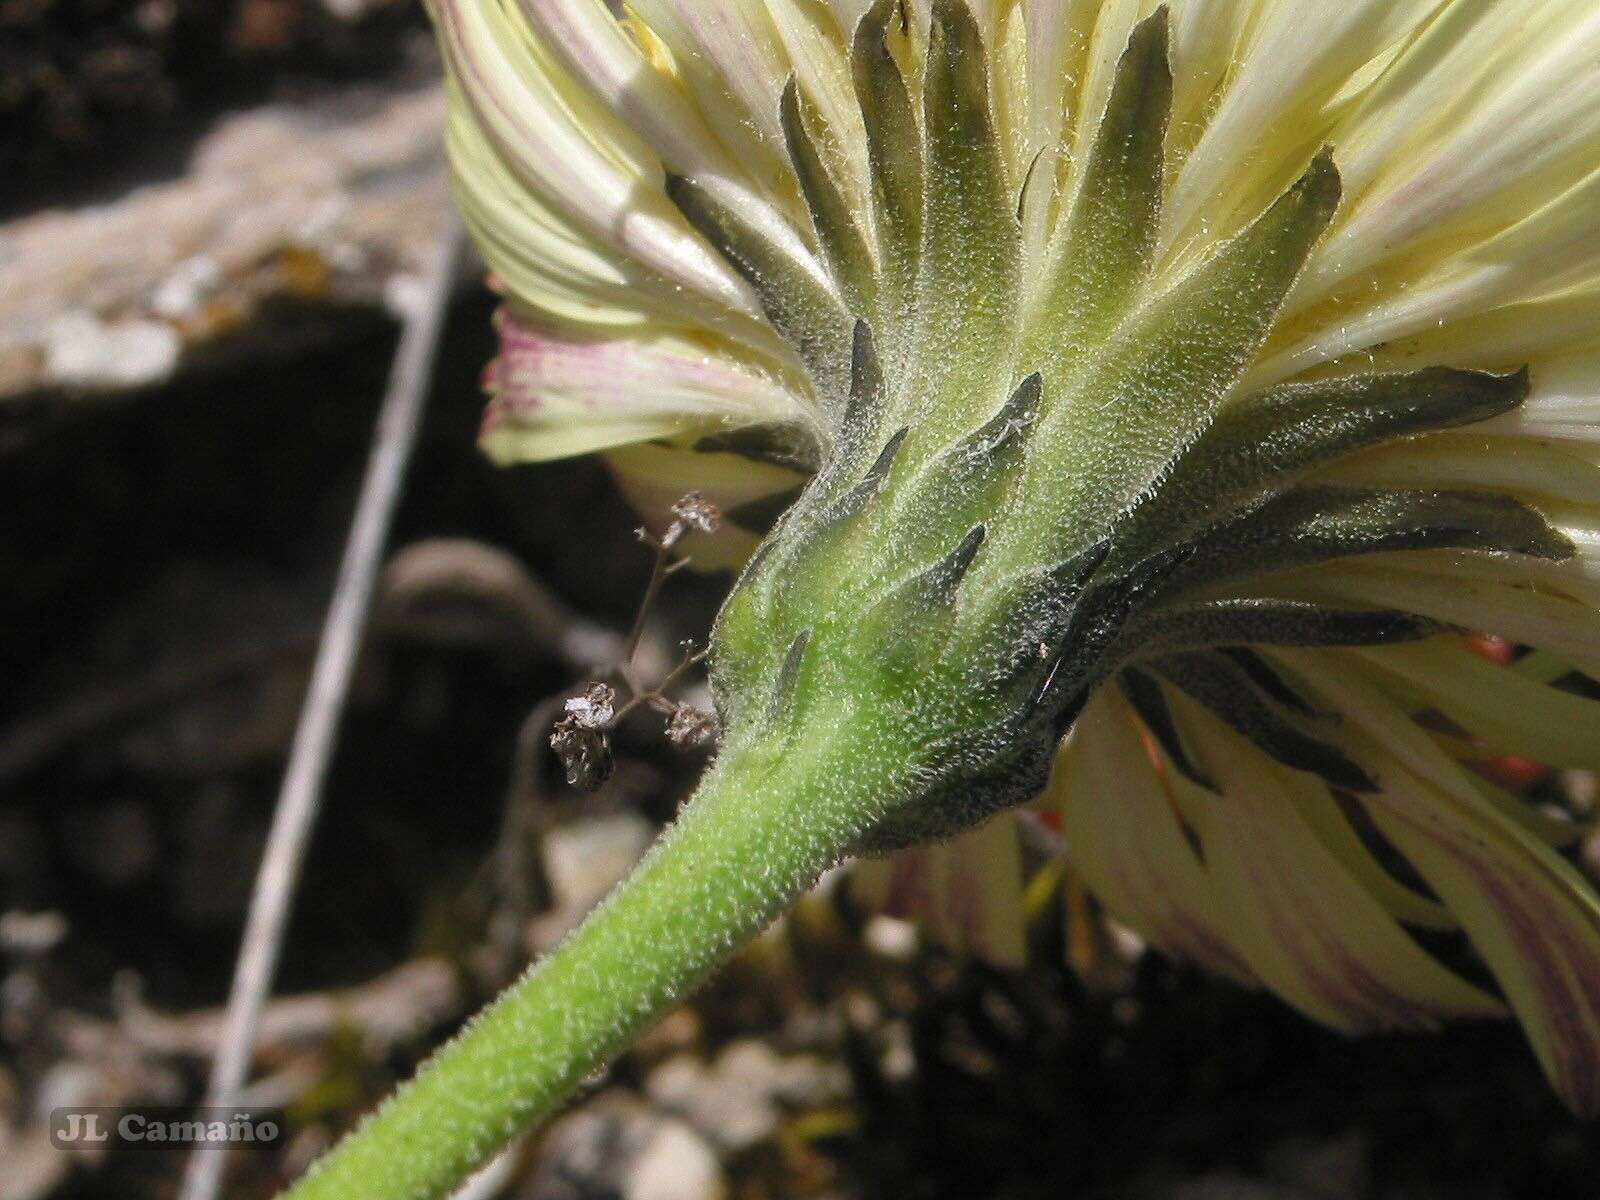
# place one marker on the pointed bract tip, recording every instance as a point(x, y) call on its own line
point(866, 371)
point(886, 456)
point(1152, 33)
point(955, 26)
point(875, 21)
point(1553, 545)
point(1025, 400)
point(789, 673)
point(961, 557)
point(1322, 181)
point(1520, 382)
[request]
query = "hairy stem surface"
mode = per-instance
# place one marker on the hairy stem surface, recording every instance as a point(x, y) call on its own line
point(759, 831)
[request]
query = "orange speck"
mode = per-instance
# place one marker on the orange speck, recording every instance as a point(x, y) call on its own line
point(1510, 771)
point(1493, 647)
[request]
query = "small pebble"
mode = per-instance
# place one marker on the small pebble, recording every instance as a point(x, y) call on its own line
point(891, 938)
point(31, 934)
point(675, 1164)
point(186, 287)
point(584, 859)
point(83, 351)
point(616, 1147)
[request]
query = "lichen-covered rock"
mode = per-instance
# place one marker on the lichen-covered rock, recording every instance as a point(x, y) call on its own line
point(325, 203)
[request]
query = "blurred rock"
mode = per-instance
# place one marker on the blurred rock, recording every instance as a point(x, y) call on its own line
point(736, 1113)
point(617, 1148)
point(30, 934)
point(81, 350)
point(679, 1031)
point(97, 90)
point(582, 861)
point(675, 1165)
point(1581, 790)
point(739, 1099)
point(892, 938)
point(326, 202)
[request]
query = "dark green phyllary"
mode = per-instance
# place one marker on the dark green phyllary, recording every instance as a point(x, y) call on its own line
point(1021, 501)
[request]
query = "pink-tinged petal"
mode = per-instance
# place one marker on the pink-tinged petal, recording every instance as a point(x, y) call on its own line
point(558, 393)
point(983, 893)
point(1548, 605)
point(536, 253)
point(1545, 333)
point(1056, 46)
point(596, 49)
point(1533, 918)
point(1205, 44)
point(1310, 931)
point(1369, 717)
point(1331, 822)
point(815, 46)
point(1565, 402)
point(1298, 58)
point(1529, 466)
point(1383, 721)
point(848, 13)
point(1125, 839)
point(1053, 41)
point(1103, 36)
point(1556, 247)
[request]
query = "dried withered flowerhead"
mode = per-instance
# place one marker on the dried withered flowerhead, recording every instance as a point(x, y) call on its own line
point(1150, 393)
point(581, 739)
point(584, 752)
point(697, 513)
point(595, 709)
point(689, 728)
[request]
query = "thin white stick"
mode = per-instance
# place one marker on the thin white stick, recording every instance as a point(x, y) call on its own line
point(299, 797)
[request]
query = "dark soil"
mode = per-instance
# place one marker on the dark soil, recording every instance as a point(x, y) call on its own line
point(97, 94)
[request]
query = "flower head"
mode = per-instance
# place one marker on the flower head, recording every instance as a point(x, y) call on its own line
point(1177, 380)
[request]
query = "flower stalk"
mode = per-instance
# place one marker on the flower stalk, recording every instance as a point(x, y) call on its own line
point(759, 831)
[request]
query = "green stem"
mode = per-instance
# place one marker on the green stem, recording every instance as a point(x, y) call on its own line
point(758, 832)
